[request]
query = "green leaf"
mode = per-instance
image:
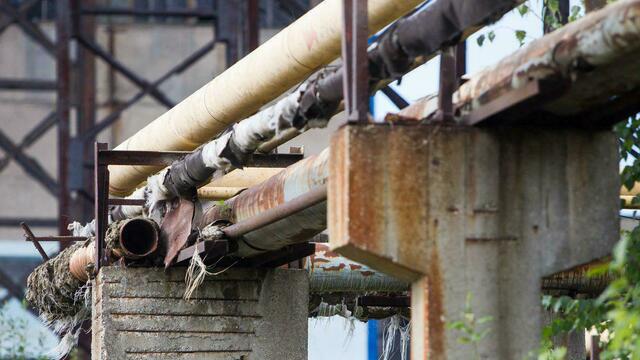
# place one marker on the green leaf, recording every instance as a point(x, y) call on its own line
point(523, 9)
point(492, 35)
point(480, 40)
point(521, 35)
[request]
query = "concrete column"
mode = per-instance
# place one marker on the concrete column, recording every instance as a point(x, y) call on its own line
point(241, 314)
point(468, 212)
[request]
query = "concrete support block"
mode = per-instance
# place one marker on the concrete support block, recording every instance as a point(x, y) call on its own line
point(465, 211)
point(241, 314)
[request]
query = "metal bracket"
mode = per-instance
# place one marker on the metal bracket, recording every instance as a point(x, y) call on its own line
point(29, 235)
point(452, 67)
point(516, 103)
point(355, 61)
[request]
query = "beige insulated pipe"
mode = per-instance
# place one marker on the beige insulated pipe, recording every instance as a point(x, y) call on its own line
point(285, 60)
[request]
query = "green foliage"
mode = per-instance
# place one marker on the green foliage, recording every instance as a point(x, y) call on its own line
point(521, 35)
point(629, 133)
point(617, 309)
point(551, 17)
point(471, 328)
point(553, 354)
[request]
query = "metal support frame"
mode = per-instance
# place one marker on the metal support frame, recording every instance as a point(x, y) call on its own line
point(75, 22)
point(29, 28)
point(356, 63)
point(29, 235)
point(452, 67)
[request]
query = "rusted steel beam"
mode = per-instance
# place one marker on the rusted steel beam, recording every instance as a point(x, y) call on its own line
point(28, 27)
point(272, 259)
point(29, 235)
point(64, 28)
point(355, 83)
point(577, 281)
point(32, 136)
point(586, 63)
point(252, 25)
point(123, 11)
point(23, 8)
point(179, 68)
point(30, 165)
point(143, 84)
point(276, 213)
point(27, 84)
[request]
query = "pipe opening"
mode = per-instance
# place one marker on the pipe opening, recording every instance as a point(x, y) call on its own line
point(139, 237)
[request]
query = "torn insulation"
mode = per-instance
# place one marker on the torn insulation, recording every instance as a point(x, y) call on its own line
point(62, 300)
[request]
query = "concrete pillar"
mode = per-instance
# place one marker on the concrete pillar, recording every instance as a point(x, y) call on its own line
point(241, 314)
point(463, 211)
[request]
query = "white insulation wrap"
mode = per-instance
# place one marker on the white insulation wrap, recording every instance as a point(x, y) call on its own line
point(285, 60)
point(250, 133)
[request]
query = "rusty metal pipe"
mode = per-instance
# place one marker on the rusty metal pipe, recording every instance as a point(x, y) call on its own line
point(79, 261)
point(137, 238)
point(306, 178)
point(279, 212)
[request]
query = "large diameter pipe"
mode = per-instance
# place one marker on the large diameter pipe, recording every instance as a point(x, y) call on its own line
point(136, 238)
point(272, 215)
point(286, 59)
point(306, 176)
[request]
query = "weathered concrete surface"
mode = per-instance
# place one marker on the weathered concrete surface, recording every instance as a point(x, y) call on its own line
point(139, 313)
point(469, 211)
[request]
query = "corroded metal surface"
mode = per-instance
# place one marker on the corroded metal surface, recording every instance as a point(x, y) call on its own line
point(330, 272)
point(577, 281)
point(292, 182)
point(386, 184)
point(592, 54)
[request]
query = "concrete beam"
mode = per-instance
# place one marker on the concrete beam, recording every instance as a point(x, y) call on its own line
point(460, 210)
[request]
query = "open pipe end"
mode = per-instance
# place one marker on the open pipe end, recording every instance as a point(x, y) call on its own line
point(139, 238)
